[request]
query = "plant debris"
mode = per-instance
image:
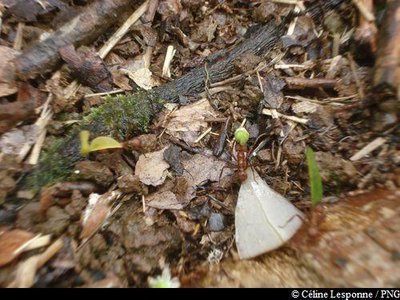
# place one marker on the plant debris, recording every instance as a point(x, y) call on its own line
point(162, 87)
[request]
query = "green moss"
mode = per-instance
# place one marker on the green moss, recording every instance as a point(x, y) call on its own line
point(121, 117)
point(125, 116)
point(52, 167)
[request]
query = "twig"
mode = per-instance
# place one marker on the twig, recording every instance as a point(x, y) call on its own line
point(215, 120)
point(368, 148)
point(219, 147)
point(286, 1)
point(104, 93)
point(119, 34)
point(366, 13)
point(144, 204)
point(44, 56)
point(202, 135)
point(315, 83)
point(42, 123)
point(357, 80)
point(268, 112)
point(18, 37)
point(183, 145)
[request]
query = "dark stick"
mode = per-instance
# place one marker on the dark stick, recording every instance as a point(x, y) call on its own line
point(83, 29)
point(219, 147)
point(220, 66)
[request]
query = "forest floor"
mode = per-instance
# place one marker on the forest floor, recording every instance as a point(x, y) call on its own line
point(164, 201)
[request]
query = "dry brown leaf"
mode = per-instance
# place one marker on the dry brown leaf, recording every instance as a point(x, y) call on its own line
point(11, 241)
point(143, 78)
point(8, 84)
point(187, 122)
point(165, 200)
point(200, 168)
point(151, 168)
point(121, 80)
point(97, 212)
point(14, 140)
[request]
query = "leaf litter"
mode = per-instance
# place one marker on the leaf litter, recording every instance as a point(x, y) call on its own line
point(178, 199)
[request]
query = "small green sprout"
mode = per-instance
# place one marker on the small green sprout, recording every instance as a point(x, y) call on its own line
point(242, 135)
point(314, 177)
point(164, 280)
point(99, 143)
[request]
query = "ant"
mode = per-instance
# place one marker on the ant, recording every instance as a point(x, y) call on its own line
point(242, 153)
point(241, 138)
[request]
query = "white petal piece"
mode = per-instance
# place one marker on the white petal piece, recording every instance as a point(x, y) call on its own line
point(264, 219)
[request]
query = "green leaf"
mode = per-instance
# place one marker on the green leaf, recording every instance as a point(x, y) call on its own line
point(99, 143)
point(104, 142)
point(314, 177)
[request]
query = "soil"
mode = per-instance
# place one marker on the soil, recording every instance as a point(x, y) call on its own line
point(165, 201)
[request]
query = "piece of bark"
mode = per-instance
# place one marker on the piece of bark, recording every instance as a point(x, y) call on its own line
point(354, 244)
point(83, 29)
point(88, 68)
point(387, 66)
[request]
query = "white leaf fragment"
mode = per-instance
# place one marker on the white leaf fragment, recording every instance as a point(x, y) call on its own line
point(264, 219)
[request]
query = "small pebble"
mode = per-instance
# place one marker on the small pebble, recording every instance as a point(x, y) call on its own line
point(216, 222)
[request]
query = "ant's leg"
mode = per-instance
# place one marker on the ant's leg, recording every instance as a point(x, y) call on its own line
point(188, 173)
point(222, 170)
point(257, 145)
